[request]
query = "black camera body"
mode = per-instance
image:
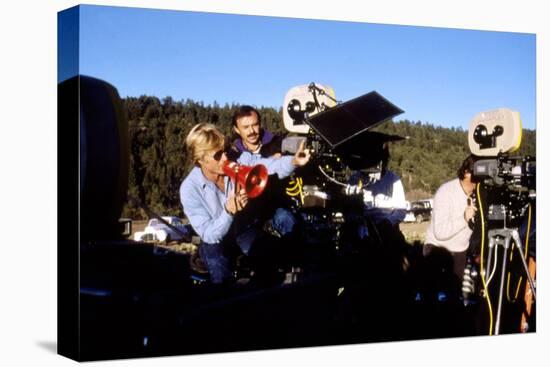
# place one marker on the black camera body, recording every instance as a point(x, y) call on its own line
point(515, 172)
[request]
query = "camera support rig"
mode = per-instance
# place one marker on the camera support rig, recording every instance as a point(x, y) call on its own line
point(503, 237)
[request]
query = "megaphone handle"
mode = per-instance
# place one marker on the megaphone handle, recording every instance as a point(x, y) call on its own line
point(235, 184)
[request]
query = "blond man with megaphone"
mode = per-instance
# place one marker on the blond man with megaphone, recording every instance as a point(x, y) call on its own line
point(211, 199)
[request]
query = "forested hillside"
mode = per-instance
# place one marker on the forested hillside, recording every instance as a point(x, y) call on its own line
point(157, 130)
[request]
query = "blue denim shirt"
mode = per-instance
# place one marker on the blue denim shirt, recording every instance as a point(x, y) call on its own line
point(203, 203)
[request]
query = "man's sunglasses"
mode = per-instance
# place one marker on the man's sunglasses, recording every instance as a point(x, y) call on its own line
point(218, 155)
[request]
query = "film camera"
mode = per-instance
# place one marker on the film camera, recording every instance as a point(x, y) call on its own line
point(508, 180)
point(340, 138)
point(505, 198)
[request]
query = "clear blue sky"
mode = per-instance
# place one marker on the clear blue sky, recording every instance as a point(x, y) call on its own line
point(436, 75)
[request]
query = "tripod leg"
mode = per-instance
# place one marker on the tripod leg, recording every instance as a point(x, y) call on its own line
point(515, 235)
point(502, 277)
point(489, 259)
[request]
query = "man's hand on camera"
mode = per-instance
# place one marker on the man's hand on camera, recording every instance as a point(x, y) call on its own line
point(235, 204)
point(302, 155)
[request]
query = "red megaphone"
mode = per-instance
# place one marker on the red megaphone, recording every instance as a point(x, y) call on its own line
point(252, 179)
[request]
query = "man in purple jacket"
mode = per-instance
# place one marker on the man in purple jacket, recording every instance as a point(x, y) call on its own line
point(252, 137)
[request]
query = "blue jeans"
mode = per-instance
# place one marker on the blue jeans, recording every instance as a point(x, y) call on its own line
point(217, 257)
point(284, 221)
point(216, 261)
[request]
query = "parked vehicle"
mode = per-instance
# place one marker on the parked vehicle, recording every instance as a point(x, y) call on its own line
point(156, 230)
point(421, 210)
point(409, 217)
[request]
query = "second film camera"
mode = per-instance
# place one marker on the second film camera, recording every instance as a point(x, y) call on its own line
point(504, 232)
point(508, 180)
